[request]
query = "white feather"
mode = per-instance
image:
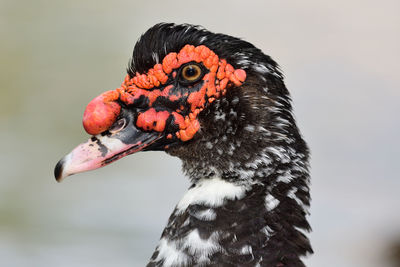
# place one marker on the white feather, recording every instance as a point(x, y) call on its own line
point(212, 192)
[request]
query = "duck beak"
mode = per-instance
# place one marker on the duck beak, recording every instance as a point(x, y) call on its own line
point(103, 149)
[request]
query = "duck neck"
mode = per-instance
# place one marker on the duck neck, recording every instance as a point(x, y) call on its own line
point(252, 214)
point(249, 197)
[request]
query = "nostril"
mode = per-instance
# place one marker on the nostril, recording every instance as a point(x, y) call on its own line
point(118, 126)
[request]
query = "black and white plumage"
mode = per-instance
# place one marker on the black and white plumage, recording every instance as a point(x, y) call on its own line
point(248, 164)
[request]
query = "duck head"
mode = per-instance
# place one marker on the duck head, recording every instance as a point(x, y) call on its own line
point(186, 90)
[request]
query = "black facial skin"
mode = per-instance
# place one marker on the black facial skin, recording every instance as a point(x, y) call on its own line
point(131, 134)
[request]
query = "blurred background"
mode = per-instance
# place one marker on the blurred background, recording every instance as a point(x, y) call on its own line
point(341, 60)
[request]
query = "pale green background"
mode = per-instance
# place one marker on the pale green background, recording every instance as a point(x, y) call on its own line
point(341, 59)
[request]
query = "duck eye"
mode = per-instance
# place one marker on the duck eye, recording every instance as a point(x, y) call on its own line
point(191, 73)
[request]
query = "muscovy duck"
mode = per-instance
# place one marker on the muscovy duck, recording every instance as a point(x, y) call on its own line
point(220, 105)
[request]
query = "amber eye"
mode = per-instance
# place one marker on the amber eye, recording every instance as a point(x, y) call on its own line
point(191, 73)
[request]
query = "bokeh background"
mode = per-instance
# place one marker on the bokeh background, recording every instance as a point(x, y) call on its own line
point(341, 60)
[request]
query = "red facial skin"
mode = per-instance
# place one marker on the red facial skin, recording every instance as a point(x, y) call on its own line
point(102, 111)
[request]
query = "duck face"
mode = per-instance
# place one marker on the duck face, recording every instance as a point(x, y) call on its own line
point(154, 109)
